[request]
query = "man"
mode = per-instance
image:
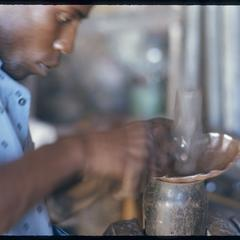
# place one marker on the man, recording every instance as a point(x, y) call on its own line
point(32, 39)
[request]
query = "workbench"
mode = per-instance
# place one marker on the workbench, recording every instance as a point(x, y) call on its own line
point(222, 221)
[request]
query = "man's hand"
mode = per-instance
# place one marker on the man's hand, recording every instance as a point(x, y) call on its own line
point(128, 153)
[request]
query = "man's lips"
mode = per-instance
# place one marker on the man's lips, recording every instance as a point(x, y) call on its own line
point(42, 69)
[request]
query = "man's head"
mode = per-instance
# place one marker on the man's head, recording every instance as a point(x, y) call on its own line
point(32, 37)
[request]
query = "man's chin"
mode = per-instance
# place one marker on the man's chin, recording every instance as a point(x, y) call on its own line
point(16, 75)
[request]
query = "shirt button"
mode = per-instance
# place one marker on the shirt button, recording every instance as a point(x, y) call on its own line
point(25, 226)
point(39, 209)
point(19, 126)
point(22, 101)
point(4, 144)
point(18, 93)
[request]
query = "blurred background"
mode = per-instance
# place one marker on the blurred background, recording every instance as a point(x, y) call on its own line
point(127, 64)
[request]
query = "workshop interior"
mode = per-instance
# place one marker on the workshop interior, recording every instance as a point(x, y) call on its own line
point(136, 62)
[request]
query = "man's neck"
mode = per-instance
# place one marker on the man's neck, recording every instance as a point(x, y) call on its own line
point(4, 73)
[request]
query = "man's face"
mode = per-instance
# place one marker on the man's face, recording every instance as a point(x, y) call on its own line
point(32, 37)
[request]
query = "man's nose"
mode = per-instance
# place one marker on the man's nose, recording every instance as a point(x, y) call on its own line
point(65, 42)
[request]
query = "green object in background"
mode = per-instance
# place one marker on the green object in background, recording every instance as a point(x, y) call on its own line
point(147, 101)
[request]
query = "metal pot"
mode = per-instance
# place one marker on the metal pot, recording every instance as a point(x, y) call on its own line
point(175, 208)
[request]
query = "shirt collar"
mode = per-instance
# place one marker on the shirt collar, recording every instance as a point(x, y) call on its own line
point(9, 86)
point(15, 99)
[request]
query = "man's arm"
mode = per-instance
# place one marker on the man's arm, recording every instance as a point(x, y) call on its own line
point(38, 173)
point(118, 154)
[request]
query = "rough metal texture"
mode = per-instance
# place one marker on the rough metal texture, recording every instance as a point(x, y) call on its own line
point(223, 221)
point(124, 228)
point(175, 209)
point(221, 226)
point(218, 226)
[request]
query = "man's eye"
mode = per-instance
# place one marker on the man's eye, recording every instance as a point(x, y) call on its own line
point(64, 17)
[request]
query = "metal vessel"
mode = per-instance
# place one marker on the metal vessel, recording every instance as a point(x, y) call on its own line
point(175, 208)
point(176, 204)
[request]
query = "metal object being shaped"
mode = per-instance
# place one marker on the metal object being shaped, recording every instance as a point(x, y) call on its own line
point(175, 208)
point(176, 204)
point(219, 154)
